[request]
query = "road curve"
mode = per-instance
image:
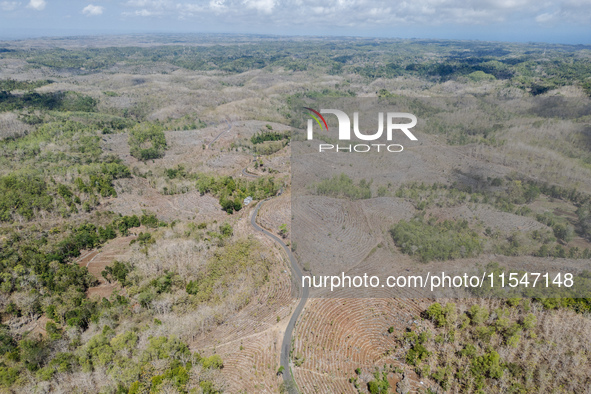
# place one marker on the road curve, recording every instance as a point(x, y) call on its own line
point(297, 275)
point(220, 134)
point(248, 174)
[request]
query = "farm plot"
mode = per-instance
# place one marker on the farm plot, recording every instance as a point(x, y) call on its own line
point(97, 259)
point(276, 212)
point(136, 195)
point(329, 231)
point(334, 337)
point(249, 341)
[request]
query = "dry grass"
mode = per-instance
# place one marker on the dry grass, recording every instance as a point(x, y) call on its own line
point(333, 336)
point(552, 356)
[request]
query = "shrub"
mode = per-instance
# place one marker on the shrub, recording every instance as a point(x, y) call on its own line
point(213, 362)
point(341, 186)
point(489, 365)
point(226, 230)
point(436, 241)
point(192, 287)
point(379, 385)
point(149, 220)
point(147, 141)
point(23, 194)
point(8, 376)
point(478, 315)
point(117, 271)
point(259, 138)
point(564, 232)
point(479, 76)
point(417, 354)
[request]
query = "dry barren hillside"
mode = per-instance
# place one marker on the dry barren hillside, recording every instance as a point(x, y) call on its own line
point(159, 204)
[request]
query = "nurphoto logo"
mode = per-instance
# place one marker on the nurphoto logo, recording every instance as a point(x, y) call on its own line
point(345, 130)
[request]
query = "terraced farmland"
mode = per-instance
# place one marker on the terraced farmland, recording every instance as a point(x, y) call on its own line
point(334, 337)
point(249, 341)
point(97, 259)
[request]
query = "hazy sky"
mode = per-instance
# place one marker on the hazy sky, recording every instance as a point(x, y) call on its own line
point(566, 21)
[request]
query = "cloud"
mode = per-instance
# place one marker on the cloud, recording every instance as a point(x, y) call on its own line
point(37, 5)
point(152, 7)
point(545, 17)
point(368, 13)
point(264, 6)
point(573, 11)
point(217, 5)
point(91, 10)
point(151, 4)
point(190, 10)
point(9, 5)
point(146, 12)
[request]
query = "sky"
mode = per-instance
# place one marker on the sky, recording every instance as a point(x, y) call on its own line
point(554, 21)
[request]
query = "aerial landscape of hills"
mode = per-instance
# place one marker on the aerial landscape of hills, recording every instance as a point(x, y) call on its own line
point(160, 203)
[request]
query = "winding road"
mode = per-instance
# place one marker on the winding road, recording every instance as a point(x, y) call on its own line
point(248, 174)
point(220, 134)
point(297, 275)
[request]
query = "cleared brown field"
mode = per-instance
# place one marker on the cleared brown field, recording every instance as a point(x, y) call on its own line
point(97, 259)
point(249, 341)
point(275, 213)
point(334, 337)
point(340, 233)
point(138, 195)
